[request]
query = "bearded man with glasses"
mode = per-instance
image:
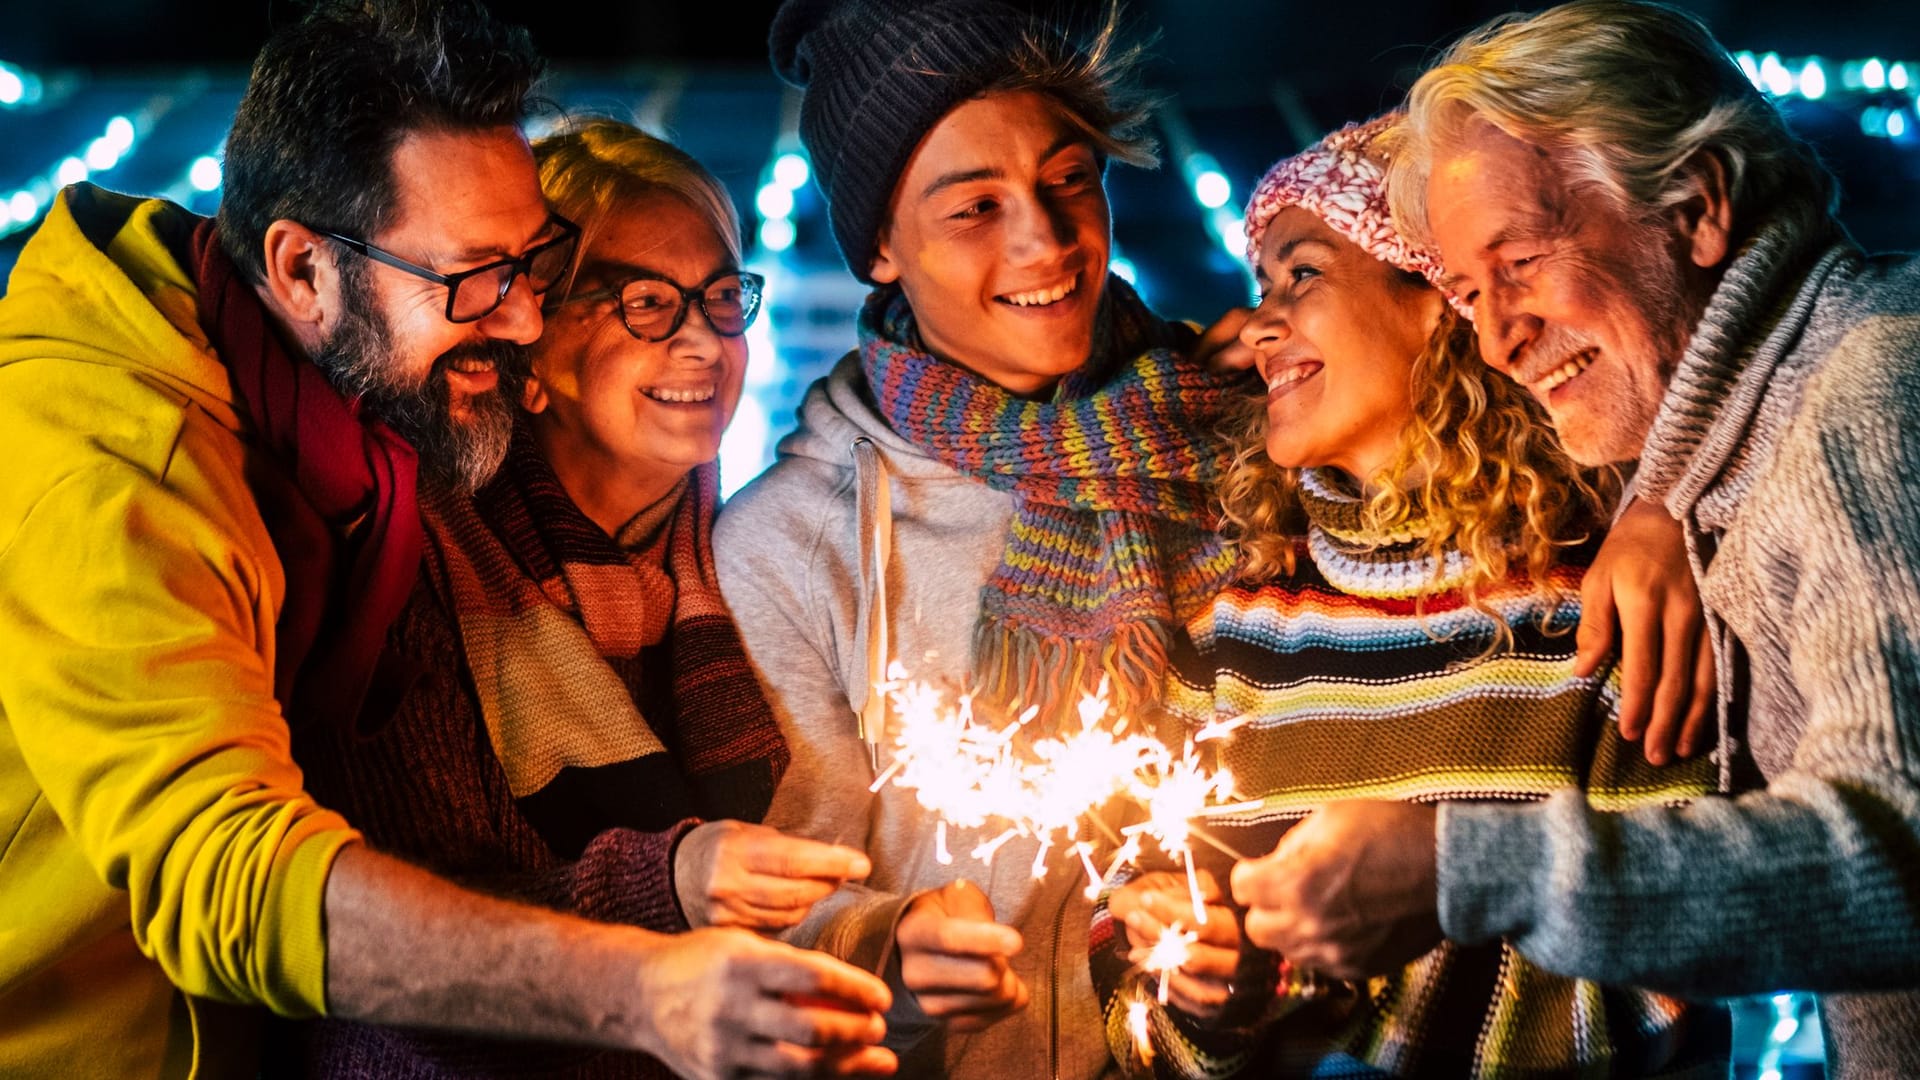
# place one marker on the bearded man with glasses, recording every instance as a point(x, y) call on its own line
point(208, 525)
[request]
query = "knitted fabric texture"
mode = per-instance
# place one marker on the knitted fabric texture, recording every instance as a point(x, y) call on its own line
point(552, 612)
point(335, 473)
point(1382, 692)
point(426, 787)
point(878, 74)
point(1785, 446)
point(1112, 544)
point(1342, 180)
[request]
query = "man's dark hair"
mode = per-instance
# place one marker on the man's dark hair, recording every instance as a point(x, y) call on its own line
point(331, 97)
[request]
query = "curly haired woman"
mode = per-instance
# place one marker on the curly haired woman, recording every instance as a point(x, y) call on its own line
point(1412, 542)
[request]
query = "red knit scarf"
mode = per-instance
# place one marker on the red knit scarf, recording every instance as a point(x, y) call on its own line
point(558, 621)
point(335, 489)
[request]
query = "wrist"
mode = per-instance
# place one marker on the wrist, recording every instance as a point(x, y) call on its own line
point(689, 906)
point(620, 987)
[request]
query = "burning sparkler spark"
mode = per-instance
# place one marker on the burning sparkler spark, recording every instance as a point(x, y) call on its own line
point(1168, 954)
point(1137, 1026)
point(970, 775)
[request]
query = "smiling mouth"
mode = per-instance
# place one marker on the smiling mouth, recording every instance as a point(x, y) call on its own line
point(1287, 378)
point(681, 396)
point(470, 365)
point(1561, 375)
point(1042, 297)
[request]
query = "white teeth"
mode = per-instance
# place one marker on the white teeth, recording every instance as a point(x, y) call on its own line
point(1289, 375)
point(1552, 380)
point(470, 366)
point(679, 397)
point(1041, 297)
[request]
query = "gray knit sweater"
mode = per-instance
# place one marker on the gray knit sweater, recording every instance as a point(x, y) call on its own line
point(1786, 445)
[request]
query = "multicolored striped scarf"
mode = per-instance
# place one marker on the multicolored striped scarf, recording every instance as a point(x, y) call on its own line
point(1112, 545)
point(563, 629)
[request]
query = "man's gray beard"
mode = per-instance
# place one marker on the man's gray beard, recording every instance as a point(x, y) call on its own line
point(359, 360)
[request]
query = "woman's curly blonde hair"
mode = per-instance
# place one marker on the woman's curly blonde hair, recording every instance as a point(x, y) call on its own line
point(1494, 483)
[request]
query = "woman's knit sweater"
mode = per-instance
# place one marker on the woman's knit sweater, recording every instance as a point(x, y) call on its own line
point(428, 786)
point(1356, 688)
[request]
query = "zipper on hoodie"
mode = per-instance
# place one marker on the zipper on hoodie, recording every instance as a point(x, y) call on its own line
point(1053, 989)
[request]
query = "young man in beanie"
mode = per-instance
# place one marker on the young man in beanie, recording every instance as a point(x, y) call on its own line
point(960, 148)
point(1651, 252)
point(206, 526)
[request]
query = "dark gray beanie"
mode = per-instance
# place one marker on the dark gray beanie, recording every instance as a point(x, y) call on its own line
point(877, 75)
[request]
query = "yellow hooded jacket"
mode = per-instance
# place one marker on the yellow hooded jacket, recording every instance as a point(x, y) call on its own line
point(157, 851)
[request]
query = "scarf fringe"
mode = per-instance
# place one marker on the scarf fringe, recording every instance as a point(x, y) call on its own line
point(1017, 667)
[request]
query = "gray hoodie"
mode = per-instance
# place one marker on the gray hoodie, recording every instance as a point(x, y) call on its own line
point(855, 548)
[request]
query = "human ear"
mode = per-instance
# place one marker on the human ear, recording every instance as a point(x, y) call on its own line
point(1704, 218)
point(884, 270)
point(533, 396)
point(303, 282)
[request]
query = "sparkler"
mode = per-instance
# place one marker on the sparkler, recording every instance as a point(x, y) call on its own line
point(1137, 1027)
point(970, 775)
point(1168, 954)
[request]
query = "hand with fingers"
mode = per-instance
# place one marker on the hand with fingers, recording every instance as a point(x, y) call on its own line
point(731, 873)
point(1352, 891)
point(724, 1003)
point(1157, 901)
point(957, 960)
point(1641, 595)
point(1219, 346)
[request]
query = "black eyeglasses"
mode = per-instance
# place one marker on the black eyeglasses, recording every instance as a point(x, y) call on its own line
point(474, 294)
point(653, 307)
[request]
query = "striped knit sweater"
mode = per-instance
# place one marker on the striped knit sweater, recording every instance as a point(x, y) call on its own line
point(1358, 689)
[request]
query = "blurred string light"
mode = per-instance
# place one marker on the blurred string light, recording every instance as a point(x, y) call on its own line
point(19, 88)
point(746, 447)
point(1212, 191)
point(1882, 89)
point(122, 134)
point(203, 176)
point(205, 173)
point(1787, 1010)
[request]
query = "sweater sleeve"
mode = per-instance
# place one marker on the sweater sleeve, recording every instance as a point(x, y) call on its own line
point(767, 581)
point(1718, 898)
point(138, 644)
point(623, 876)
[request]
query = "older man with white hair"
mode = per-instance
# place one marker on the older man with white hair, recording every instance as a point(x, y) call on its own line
point(1649, 250)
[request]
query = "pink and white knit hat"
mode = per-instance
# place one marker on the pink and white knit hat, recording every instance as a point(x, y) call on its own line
point(1342, 180)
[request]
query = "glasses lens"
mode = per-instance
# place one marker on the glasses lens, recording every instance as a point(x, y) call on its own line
point(475, 295)
point(549, 262)
point(730, 304)
point(651, 308)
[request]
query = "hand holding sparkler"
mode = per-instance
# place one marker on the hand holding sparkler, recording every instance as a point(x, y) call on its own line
point(1156, 905)
point(732, 873)
point(957, 960)
point(1350, 891)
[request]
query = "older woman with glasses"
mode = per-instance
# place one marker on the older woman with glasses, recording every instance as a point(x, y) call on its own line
point(601, 707)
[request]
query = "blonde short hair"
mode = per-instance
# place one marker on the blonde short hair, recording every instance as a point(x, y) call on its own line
point(589, 167)
point(1624, 94)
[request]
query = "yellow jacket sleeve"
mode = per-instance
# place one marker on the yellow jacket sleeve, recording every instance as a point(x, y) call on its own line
point(136, 627)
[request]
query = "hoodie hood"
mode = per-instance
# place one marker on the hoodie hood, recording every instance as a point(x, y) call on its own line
point(102, 282)
point(840, 409)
